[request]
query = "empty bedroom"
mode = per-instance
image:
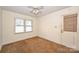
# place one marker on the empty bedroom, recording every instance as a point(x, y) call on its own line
point(39, 29)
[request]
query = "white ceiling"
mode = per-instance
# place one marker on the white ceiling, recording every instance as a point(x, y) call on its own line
point(26, 10)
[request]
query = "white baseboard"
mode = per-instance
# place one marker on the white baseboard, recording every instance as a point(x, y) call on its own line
point(12, 41)
point(74, 47)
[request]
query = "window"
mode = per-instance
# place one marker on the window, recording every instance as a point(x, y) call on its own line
point(70, 23)
point(23, 25)
point(28, 25)
point(19, 25)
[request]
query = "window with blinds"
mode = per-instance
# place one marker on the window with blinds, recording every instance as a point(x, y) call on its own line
point(28, 26)
point(70, 23)
point(22, 25)
point(19, 25)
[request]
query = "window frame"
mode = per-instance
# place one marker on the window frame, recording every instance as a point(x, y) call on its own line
point(24, 25)
point(29, 26)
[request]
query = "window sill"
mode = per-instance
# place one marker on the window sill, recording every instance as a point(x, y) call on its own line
point(23, 32)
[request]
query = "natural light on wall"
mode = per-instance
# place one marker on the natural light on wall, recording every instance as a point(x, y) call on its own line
point(23, 25)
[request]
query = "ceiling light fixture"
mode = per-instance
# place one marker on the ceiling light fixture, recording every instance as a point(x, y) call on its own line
point(36, 9)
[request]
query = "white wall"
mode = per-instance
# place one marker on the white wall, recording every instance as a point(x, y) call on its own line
point(50, 25)
point(8, 27)
point(0, 28)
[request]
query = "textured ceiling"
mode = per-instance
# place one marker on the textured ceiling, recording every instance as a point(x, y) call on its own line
point(27, 10)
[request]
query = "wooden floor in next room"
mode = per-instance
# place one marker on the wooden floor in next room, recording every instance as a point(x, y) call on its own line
point(35, 45)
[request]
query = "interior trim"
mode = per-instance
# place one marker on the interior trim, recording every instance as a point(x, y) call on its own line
point(0, 47)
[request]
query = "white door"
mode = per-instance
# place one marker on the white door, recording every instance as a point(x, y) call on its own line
point(69, 30)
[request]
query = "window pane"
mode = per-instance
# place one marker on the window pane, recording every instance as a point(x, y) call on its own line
point(28, 29)
point(28, 22)
point(19, 21)
point(19, 29)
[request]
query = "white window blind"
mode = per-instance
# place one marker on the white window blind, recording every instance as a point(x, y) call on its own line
point(23, 25)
